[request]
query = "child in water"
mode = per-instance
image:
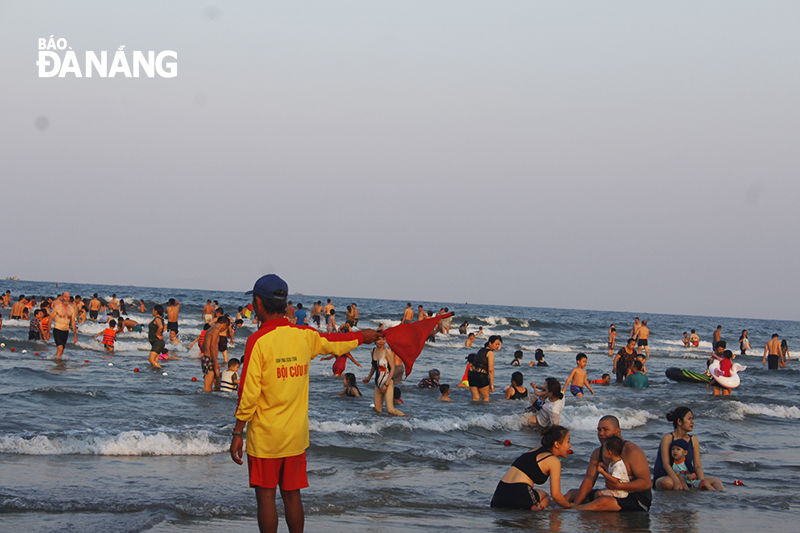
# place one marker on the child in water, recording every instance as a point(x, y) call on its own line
point(350, 388)
point(444, 389)
point(517, 358)
point(578, 377)
point(617, 472)
point(230, 378)
point(605, 380)
point(109, 336)
point(679, 451)
point(340, 363)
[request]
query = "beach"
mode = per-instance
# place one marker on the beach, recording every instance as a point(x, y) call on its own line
point(87, 444)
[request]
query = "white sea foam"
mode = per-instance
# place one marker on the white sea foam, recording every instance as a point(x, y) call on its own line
point(126, 443)
point(558, 348)
point(584, 417)
point(495, 320)
point(462, 454)
point(438, 425)
point(738, 411)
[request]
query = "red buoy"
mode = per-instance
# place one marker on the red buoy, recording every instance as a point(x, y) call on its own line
point(194, 379)
point(12, 349)
point(507, 443)
point(135, 369)
point(738, 482)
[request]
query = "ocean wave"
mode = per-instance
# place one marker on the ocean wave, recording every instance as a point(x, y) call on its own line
point(128, 443)
point(495, 320)
point(438, 425)
point(739, 411)
point(586, 416)
point(461, 454)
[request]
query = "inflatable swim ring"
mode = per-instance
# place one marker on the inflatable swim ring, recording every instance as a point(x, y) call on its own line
point(681, 374)
point(731, 382)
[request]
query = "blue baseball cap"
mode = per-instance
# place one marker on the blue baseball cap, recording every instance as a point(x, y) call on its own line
point(270, 287)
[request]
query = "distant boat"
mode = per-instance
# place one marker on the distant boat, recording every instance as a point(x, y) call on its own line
point(12, 279)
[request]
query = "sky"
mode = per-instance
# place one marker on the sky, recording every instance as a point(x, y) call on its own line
point(622, 156)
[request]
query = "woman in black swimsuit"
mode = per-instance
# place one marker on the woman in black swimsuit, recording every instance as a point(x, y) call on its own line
point(481, 373)
point(516, 488)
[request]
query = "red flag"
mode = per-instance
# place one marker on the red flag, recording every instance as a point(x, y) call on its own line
point(407, 340)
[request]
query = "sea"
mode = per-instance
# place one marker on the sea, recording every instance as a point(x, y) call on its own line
point(91, 444)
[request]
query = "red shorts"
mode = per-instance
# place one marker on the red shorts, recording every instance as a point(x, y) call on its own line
point(288, 472)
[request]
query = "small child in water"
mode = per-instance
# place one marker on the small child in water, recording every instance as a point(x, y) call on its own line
point(109, 336)
point(444, 389)
point(641, 358)
point(578, 377)
point(517, 358)
point(397, 395)
point(165, 356)
point(612, 452)
point(230, 378)
point(350, 388)
point(679, 451)
point(605, 380)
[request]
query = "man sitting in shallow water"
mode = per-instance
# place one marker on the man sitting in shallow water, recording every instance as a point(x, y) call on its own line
point(639, 494)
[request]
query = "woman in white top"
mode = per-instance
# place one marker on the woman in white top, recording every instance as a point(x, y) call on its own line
point(547, 410)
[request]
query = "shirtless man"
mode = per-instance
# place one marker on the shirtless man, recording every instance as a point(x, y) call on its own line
point(6, 299)
point(327, 310)
point(16, 309)
point(209, 362)
point(635, 328)
point(208, 312)
point(773, 351)
point(408, 314)
point(716, 337)
point(421, 314)
point(639, 494)
point(63, 317)
point(93, 307)
point(124, 323)
point(225, 334)
point(612, 340)
point(694, 339)
point(114, 303)
point(173, 308)
point(643, 339)
point(290, 312)
point(316, 313)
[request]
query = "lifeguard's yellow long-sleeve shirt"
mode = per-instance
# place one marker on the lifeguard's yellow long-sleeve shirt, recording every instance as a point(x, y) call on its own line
point(273, 393)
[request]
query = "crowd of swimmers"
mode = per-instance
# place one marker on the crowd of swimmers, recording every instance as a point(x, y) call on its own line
point(677, 465)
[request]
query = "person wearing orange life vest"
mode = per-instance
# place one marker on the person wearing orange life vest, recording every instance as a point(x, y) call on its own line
point(109, 336)
point(273, 401)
